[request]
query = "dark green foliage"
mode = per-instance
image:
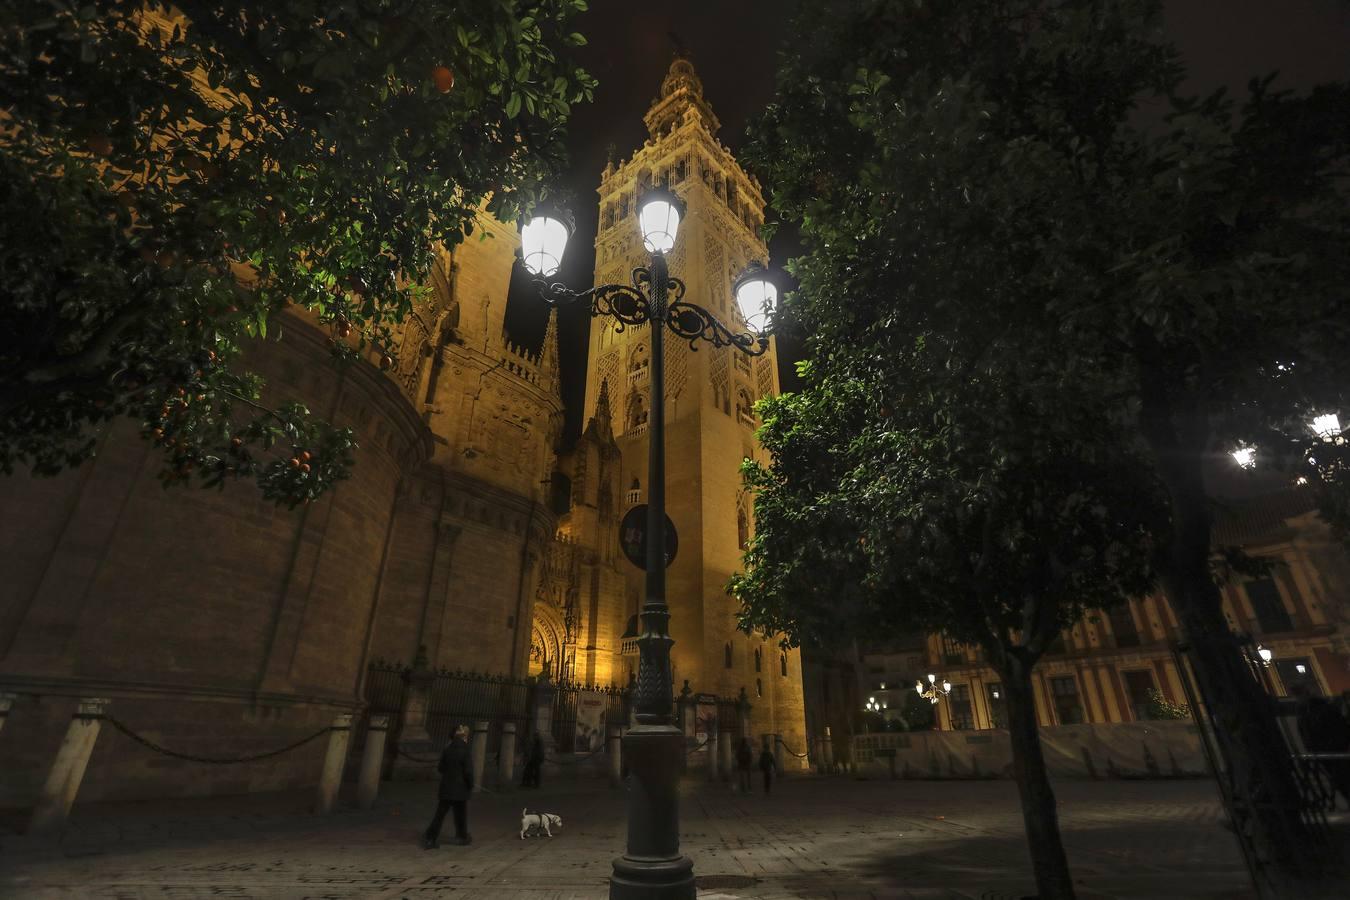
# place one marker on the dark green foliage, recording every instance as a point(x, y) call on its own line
point(148, 161)
point(1033, 314)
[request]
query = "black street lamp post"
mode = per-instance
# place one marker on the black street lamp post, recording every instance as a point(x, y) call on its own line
point(652, 867)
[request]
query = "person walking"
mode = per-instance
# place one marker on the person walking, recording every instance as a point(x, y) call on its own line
point(456, 770)
point(767, 766)
point(744, 757)
point(534, 763)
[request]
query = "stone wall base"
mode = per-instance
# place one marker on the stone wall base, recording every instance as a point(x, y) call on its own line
point(1107, 750)
point(203, 725)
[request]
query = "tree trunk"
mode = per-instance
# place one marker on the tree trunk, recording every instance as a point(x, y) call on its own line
point(1262, 797)
point(1039, 815)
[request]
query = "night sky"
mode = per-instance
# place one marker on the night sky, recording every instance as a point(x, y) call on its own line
point(733, 46)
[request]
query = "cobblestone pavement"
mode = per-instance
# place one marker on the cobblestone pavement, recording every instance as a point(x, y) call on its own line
point(814, 837)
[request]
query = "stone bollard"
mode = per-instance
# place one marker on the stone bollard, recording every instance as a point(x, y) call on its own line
point(63, 781)
point(6, 704)
point(334, 761)
point(506, 757)
point(372, 759)
point(714, 739)
point(827, 750)
point(614, 740)
point(724, 752)
point(478, 749)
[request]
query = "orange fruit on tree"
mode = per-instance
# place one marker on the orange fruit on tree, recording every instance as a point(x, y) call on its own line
point(443, 78)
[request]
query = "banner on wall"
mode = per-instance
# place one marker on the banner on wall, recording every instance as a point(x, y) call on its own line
point(590, 734)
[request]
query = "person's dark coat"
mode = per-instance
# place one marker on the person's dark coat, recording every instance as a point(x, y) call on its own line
point(456, 772)
point(766, 762)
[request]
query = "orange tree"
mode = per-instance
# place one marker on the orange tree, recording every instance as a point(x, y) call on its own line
point(1011, 269)
point(156, 158)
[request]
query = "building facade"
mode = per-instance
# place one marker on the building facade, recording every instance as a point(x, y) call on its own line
point(1107, 667)
point(220, 625)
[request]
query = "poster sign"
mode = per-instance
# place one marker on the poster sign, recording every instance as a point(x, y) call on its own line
point(633, 537)
point(590, 732)
point(705, 719)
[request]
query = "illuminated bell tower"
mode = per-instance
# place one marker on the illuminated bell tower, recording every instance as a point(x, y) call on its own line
point(710, 394)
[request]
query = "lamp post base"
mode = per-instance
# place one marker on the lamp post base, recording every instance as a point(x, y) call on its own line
point(667, 879)
point(653, 866)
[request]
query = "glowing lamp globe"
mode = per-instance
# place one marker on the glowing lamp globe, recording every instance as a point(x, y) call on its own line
point(543, 238)
point(1327, 426)
point(756, 297)
point(1245, 457)
point(1265, 654)
point(659, 214)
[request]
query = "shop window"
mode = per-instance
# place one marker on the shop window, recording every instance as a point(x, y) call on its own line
point(1297, 677)
point(1138, 684)
point(959, 707)
point(1068, 708)
point(1268, 606)
point(952, 653)
point(1122, 625)
point(998, 706)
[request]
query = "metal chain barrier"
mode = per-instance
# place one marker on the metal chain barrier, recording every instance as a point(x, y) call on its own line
point(213, 760)
point(790, 750)
point(705, 743)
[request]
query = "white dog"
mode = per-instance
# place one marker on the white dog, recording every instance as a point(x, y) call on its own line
point(536, 822)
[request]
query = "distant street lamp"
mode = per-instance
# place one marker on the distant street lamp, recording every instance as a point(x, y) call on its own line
point(654, 748)
point(932, 693)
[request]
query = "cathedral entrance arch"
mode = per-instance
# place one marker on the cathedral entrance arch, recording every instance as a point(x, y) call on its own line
point(547, 636)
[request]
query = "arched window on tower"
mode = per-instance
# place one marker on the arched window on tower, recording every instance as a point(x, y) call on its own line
point(782, 662)
point(637, 411)
point(742, 527)
point(758, 660)
point(745, 408)
point(759, 688)
point(634, 496)
point(639, 362)
point(726, 655)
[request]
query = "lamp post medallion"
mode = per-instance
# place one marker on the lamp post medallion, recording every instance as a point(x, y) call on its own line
point(633, 537)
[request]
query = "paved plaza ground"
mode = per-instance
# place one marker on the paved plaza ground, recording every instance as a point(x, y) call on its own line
point(833, 837)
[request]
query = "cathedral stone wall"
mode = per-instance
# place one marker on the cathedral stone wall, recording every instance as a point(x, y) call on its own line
point(461, 576)
point(216, 622)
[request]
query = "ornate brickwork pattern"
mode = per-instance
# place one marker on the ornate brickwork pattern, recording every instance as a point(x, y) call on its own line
point(677, 367)
point(764, 378)
point(607, 369)
point(718, 376)
point(712, 263)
